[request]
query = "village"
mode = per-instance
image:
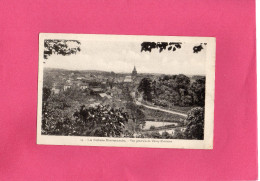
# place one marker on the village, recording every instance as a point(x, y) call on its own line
point(99, 87)
point(91, 96)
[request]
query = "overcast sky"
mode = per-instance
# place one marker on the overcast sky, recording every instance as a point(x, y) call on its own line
point(123, 56)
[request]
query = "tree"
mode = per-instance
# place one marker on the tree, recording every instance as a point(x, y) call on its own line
point(51, 116)
point(185, 100)
point(174, 90)
point(46, 92)
point(146, 87)
point(171, 46)
point(166, 135)
point(113, 74)
point(198, 48)
point(60, 47)
point(182, 81)
point(152, 127)
point(178, 134)
point(136, 114)
point(156, 134)
point(174, 97)
point(195, 124)
point(198, 91)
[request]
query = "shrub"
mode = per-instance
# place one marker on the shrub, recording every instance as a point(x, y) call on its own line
point(152, 127)
point(178, 134)
point(156, 134)
point(166, 135)
point(195, 124)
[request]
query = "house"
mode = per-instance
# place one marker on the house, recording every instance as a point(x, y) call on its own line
point(84, 86)
point(94, 104)
point(68, 81)
point(55, 90)
point(96, 91)
point(104, 85)
point(66, 87)
point(104, 95)
point(80, 78)
point(133, 95)
point(128, 79)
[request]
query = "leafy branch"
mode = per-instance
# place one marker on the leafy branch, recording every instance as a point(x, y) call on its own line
point(61, 47)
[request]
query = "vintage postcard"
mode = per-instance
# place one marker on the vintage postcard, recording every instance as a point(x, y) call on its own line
point(126, 90)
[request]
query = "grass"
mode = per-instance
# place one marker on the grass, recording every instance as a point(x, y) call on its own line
point(181, 109)
point(159, 115)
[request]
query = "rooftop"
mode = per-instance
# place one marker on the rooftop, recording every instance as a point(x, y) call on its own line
point(128, 79)
point(97, 89)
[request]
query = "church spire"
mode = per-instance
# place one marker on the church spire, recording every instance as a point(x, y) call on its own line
point(134, 72)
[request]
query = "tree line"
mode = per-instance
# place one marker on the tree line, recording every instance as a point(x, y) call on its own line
point(174, 90)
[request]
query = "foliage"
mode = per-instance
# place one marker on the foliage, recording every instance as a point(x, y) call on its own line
point(166, 135)
point(198, 48)
point(146, 87)
point(178, 134)
point(175, 90)
point(198, 91)
point(156, 134)
point(58, 118)
point(195, 124)
point(61, 47)
point(62, 114)
point(46, 92)
point(134, 111)
point(152, 127)
point(53, 114)
point(74, 94)
point(171, 46)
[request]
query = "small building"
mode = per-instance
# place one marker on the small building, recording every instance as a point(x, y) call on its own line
point(69, 81)
point(96, 91)
point(55, 90)
point(66, 87)
point(104, 95)
point(104, 85)
point(128, 79)
point(84, 86)
point(94, 104)
point(80, 78)
point(133, 94)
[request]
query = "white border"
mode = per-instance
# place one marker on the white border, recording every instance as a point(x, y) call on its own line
point(207, 143)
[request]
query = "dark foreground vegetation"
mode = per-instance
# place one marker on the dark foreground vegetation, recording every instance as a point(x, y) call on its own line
point(104, 121)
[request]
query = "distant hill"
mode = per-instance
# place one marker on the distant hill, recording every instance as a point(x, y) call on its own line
point(65, 71)
point(74, 71)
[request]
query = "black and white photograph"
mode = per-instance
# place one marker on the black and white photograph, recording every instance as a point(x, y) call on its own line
point(126, 90)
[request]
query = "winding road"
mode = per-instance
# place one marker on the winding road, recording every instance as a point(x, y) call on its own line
point(160, 109)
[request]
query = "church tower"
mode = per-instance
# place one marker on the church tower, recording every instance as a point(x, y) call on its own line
point(134, 72)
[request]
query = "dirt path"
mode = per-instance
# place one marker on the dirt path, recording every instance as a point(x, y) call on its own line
point(160, 109)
